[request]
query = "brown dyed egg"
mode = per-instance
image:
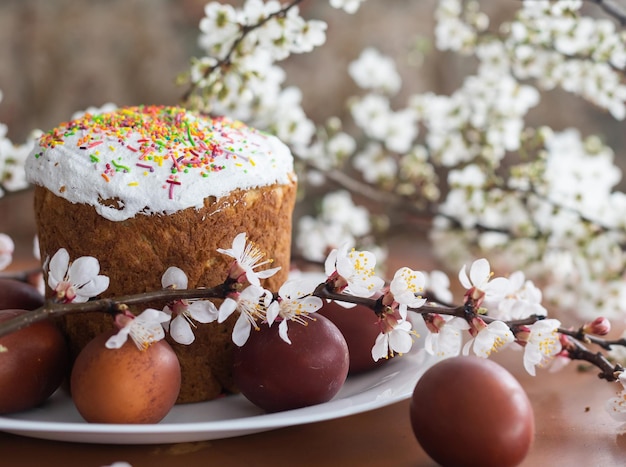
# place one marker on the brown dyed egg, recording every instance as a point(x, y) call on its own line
point(470, 411)
point(33, 363)
point(125, 385)
point(19, 295)
point(359, 326)
point(276, 376)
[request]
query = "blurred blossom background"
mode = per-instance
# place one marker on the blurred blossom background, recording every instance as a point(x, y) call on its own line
point(58, 57)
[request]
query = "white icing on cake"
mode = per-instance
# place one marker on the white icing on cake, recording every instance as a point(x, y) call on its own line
point(154, 160)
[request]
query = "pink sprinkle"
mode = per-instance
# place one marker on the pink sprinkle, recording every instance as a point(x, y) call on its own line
point(94, 144)
point(172, 183)
point(175, 162)
point(145, 166)
point(131, 148)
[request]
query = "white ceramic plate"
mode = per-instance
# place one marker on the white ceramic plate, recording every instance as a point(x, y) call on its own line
point(227, 417)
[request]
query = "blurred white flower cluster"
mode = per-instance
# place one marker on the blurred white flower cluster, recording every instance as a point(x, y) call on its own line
point(239, 76)
point(12, 157)
point(494, 184)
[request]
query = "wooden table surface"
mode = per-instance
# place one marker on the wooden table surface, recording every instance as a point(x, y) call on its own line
point(572, 429)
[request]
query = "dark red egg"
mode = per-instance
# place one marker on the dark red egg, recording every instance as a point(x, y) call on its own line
point(470, 411)
point(276, 376)
point(359, 326)
point(33, 363)
point(15, 294)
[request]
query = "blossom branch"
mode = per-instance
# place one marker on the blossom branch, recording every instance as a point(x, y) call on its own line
point(114, 306)
point(608, 372)
point(111, 306)
point(245, 30)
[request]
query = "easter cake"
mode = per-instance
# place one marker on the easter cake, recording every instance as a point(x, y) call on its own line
point(149, 187)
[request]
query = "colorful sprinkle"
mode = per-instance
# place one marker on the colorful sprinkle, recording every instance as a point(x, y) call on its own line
point(120, 166)
point(182, 142)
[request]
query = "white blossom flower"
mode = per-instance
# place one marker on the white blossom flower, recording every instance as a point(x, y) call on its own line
point(144, 329)
point(339, 208)
point(445, 335)
point(219, 28)
point(247, 257)
point(316, 237)
point(542, 344)
point(522, 300)
point(451, 32)
point(184, 312)
point(349, 6)
point(251, 304)
point(375, 71)
point(490, 338)
point(75, 281)
point(295, 303)
point(407, 287)
point(375, 164)
point(438, 283)
point(370, 113)
point(6, 250)
point(308, 35)
point(340, 146)
point(397, 339)
point(479, 283)
point(354, 270)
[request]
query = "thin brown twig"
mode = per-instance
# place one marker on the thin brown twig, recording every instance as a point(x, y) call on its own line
point(574, 348)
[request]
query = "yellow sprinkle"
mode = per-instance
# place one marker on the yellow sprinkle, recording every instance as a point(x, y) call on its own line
point(112, 148)
point(238, 164)
point(252, 162)
point(133, 184)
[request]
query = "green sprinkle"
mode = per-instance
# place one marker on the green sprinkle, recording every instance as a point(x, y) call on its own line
point(94, 158)
point(120, 166)
point(189, 134)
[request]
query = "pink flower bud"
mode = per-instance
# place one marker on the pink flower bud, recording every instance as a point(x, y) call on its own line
point(599, 327)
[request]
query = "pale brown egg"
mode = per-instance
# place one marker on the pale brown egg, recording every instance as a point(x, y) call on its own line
point(33, 363)
point(470, 411)
point(125, 385)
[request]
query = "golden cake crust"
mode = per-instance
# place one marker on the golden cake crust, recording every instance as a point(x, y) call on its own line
point(134, 254)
